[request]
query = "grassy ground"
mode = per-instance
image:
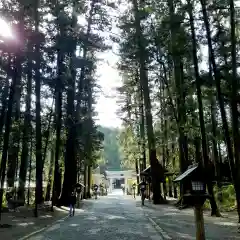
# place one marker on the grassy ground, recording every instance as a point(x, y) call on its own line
point(225, 198)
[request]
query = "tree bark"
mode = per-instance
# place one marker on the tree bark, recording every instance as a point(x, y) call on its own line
point(70, 173)
point(15, 133)
point(157, 172)
point(4, 101)
point(58, 119)
point(220, 100)
point(206, 163)
point(26, 128)
point(234, 106)
point(6, 135)
point(179, 84)
point(50, 178)
point(39, 170)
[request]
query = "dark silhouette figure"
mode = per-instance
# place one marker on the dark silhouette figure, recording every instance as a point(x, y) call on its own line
point(72, 203)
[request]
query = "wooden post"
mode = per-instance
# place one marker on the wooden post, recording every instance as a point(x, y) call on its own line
point(78, 200)
point(198, 212)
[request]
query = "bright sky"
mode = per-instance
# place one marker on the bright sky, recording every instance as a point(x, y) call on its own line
point(108, 80)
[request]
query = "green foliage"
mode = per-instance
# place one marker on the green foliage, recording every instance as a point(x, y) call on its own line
point(111, 156)
point(225, 197)
point(129, 148)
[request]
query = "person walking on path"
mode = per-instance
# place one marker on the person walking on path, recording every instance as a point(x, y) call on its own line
point(123, 189)
point(95, 189)
point(143, 191)
point(73, 200)
point(134, 190)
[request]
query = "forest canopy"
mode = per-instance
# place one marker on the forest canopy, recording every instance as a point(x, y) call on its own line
point(111, 153)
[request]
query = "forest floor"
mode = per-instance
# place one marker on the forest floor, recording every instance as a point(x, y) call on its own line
point(15, 225)
point(180, 224)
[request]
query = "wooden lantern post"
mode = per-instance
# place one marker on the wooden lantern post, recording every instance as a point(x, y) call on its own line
point(195, 196)
point(200, 231)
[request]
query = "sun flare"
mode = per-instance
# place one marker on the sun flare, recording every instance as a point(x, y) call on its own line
point(5, 29)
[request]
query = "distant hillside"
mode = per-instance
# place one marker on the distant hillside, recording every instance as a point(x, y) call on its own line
point(112, 154)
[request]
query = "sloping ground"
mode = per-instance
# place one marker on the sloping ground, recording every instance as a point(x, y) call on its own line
point(180, 224)
point(15, 225)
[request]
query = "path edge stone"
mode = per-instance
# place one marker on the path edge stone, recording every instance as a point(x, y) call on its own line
point(42, 229)
point(164, 235)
